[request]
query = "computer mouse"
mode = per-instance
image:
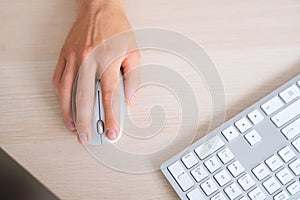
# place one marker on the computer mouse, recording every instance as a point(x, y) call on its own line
point(98, 123)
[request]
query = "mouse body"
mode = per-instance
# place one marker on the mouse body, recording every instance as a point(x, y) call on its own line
point(98, 121)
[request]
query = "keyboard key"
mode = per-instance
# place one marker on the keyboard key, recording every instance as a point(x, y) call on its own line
point(209, 187)
point(225, 155)
point(189, 160)
point(261, 172)
point(246, 182)
point(257, 194)
point(294, 188)
point(286, 154)
point(271, 185)
point(181, 176)
point(243, 198)
point(212, 164)
point(295, 167)
point(230, 133)
point(209, 147)
point(255, 116)
point(281, 196)
point(290, 94)
point(292, 130)
point(274, 163)
point(272, 105)
point(284, 176)
point(222, 178)
point(253, 137)
point(199, 173)
point(296, 144)
point(287, 114)
point(232, 191)
point(219, 196)
point(195, 194)
point(243, 125)
point(236, 168)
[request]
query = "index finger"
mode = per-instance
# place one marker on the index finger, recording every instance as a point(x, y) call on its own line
point(85, 94)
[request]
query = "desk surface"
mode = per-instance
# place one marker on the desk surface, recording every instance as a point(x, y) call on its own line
point(255, 45)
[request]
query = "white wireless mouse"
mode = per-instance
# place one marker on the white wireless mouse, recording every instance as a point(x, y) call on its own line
point(98, 123)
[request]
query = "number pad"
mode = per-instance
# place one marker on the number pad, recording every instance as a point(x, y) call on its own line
point(212, 164)
point(199, 173)
point(246, 182)
point(219, 196)
point(181, 176)
point(232, 191)
point(236, 168)
point(225, 155)
point(195, 194)
point(189, 160)
point(209, 187)
point(222, 178)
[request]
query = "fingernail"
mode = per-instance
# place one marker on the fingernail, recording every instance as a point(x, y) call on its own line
point(111, 134)
point(83, 138)
point(71, 125)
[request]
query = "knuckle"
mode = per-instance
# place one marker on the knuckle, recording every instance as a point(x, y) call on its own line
point(108, 95)
point(81, 123)
point(63, 51)
point(86, 49)
point(83, 96)
point(64, 87)
point(68, 79)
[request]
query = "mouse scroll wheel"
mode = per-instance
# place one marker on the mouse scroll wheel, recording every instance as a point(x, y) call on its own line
point(100, 127)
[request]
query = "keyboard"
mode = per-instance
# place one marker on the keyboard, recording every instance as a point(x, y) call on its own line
point(253, 156)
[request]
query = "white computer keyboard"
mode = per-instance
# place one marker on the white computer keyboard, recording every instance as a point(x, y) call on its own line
point(255, 155)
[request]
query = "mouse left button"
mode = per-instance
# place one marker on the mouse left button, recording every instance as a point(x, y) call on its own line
point(100, 127)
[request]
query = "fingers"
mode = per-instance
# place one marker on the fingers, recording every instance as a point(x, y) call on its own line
point(131, 75)
point(111, 99)
point(65, 91)
point(85, 94)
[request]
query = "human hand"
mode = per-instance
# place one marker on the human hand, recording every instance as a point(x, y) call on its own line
point(96, 22)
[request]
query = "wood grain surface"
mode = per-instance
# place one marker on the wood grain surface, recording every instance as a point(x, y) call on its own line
point(254, 44)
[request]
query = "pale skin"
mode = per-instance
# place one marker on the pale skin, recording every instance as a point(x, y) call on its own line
point(97, 21)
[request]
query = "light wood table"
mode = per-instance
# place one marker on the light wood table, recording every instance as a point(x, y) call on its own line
point(255, 45)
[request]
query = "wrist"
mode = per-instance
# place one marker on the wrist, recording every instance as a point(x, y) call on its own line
point(94, 6)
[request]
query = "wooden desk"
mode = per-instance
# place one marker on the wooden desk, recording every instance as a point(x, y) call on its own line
point(255, 45)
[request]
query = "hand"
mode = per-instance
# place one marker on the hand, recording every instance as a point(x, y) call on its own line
point(97, 21)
